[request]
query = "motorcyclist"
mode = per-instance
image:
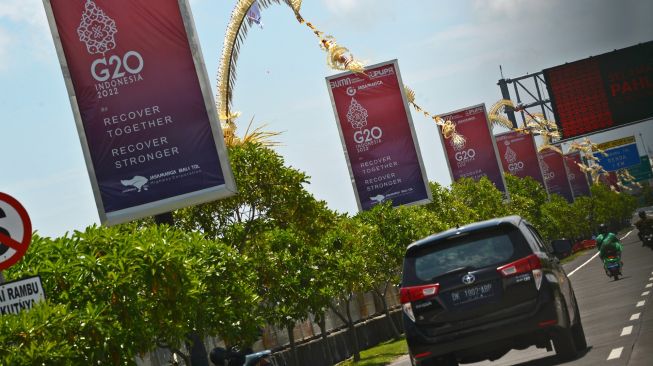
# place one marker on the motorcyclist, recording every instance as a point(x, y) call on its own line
point(644, 225)
point(607, 243)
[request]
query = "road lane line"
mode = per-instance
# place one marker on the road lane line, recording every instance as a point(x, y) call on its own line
point(650, 279)
point(635, 316)
point(582, 265)
point(626, 331)
point(615, 353)
point(594, 256)
point(641, 303)
point(649, 285)
point(645, 293)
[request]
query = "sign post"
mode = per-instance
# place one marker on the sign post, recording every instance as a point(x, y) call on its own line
point(15, 231)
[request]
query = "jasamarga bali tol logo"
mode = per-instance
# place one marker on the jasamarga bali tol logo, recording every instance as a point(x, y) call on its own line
point(364, 137)
point(97, 31)
point(138, 183)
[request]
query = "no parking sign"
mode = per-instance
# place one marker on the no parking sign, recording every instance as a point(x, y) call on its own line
point(15, 231)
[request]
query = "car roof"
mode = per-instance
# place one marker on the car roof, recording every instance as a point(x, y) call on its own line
point(477, 226)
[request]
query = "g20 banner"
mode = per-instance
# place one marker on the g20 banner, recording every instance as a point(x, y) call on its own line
point(142, 103)
point(577, 178)
point(478, 157)
point(377, 133)
point(518, 155)
point(555, 174)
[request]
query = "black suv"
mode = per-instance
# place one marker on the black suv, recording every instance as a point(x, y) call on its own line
point(476, 292)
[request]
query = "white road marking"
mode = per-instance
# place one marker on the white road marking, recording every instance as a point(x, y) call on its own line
point(641, 303)
point(635, 316)
point(645, 293)
point(649, 285)
point(583, 265)
point(627, 330)
point(650, 279)
point(615, 353)
point(594, 256)
point(628, 233)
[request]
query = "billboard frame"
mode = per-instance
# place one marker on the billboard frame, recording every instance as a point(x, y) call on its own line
point(171, 203)
point(494, 146)
point(343, 141)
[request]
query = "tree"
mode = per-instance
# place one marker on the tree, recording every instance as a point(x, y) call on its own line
point(397, 228)
point(129, 290)
point(526, 198)
point(481, 197)
point(349, 268)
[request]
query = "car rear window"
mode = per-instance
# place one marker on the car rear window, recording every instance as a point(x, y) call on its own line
point(474, 251)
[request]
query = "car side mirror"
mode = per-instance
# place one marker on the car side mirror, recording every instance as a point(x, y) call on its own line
point(561, 248)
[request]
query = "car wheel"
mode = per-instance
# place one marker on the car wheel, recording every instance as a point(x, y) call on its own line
point(578, 333)
point(563, 341)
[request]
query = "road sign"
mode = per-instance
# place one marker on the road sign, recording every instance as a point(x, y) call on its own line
point(19, 295)
point(619, 157)
point(15, 231)
point(642, 171)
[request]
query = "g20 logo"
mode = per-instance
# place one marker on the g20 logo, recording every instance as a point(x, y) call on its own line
point(368, 135)
point(513, 167)
point(103, 69)
point(464, 155)
point(549, 175)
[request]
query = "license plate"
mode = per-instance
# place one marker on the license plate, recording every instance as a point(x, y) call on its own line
point(473, 293)
point(613, 265)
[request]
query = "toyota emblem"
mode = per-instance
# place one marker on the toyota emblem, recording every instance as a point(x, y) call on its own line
point(468, 279)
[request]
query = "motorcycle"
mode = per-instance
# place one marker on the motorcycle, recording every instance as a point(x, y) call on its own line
point(233, 357)
point(647, 240)
point(612, 264)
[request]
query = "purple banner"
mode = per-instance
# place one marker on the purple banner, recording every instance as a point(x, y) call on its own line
point(518, 155)
point(577, 178)
point(555, 174)
point(377, 133)
point(476, 158)
point(143, 105)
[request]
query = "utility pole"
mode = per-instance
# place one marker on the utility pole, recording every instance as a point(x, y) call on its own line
point(194, 343)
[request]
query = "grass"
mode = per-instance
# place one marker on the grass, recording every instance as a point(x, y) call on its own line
point(380, 355)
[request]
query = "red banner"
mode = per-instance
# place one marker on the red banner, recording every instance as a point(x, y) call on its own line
point(476, 158)
point(577, 178)
point(377, 132)
point(555, 174)
point(142, 103)
point(518, 154)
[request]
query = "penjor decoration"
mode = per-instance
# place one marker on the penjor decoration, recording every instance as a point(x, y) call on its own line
point(338, 58)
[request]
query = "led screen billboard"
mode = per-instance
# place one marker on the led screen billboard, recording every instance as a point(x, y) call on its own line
point(603, 91)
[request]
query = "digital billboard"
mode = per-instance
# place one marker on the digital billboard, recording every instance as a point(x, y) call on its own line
point(603, 91)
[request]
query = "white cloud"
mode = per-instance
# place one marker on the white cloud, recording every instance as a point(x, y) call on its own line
point(24, 22)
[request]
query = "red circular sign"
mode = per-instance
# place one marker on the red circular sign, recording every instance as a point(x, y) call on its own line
point(15, 231)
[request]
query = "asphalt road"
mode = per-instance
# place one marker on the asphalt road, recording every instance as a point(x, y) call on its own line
point(617, 315)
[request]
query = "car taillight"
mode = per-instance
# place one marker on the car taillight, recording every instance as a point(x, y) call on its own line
point(524, 265)
point(415, 293)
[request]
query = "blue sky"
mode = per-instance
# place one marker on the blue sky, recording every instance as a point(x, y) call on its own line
point(449, 52)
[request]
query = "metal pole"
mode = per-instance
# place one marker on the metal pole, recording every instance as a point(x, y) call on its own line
point(505, 94)
point(195, 344)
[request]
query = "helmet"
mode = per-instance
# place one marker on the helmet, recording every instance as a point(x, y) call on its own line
point(642, 214)
point(218, 356)
point(603, 229)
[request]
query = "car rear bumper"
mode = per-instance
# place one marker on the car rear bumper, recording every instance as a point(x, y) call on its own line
point(526, 328)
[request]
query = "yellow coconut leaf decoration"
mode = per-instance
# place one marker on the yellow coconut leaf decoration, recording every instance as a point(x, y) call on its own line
point(495, 113)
